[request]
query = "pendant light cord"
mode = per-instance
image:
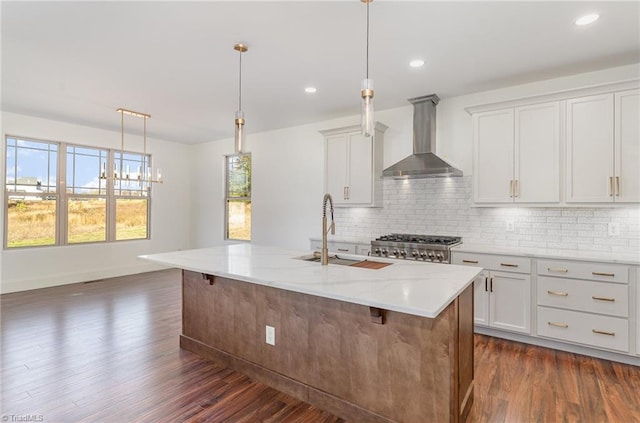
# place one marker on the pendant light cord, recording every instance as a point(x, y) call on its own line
point(240, 84)
point(368, 40)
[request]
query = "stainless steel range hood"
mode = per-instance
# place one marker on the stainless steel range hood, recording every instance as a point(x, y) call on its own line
point(423, 163)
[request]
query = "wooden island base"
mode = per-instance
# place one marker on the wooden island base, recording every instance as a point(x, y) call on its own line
point(357, 362)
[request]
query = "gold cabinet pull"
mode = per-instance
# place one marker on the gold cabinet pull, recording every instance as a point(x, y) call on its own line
point(508, 265)
point(610, 186)
point(517, 188)
point(470, 261)
point(611, 300)
point(559, 294)
point(511, 188)
point(557, 269)
point(603, 274)
point(617, 186)
point(603, 332)
point(558, 325)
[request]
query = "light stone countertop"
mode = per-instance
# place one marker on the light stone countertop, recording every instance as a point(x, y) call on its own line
point(599, 256)
point(417, 288)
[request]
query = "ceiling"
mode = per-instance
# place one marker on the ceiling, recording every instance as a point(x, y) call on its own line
point(79, 61)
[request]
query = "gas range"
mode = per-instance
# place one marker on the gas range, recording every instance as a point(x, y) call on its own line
point(430, 248)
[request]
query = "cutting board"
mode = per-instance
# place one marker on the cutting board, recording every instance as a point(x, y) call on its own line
point(370, 264)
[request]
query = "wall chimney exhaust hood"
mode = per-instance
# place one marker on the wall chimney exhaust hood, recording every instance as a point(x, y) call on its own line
point(423, 163)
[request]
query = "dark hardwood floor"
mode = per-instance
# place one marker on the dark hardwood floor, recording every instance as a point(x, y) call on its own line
point(108, 351)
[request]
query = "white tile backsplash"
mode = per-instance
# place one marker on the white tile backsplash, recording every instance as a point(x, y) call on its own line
point(443, 206)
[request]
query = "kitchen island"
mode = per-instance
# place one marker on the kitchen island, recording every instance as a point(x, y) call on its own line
point(392, 344)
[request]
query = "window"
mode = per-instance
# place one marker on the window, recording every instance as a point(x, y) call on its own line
point(238, 197)
point(61, 194)
point(86, 195)
point(31, 194)
point(131, 201)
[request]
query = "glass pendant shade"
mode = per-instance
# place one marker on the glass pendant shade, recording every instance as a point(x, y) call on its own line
point(239, 140)
point(367, 107)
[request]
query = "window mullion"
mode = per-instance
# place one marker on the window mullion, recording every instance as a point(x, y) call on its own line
point(61, 188)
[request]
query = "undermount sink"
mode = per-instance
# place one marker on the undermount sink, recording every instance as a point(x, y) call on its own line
point(333, 259)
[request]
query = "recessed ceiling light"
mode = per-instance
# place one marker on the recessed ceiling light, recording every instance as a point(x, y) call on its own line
point(587, 19)
point(310, 90)
point(416, 63)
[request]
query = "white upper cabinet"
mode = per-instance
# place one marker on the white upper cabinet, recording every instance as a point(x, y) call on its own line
point(353, 166)
point(537, 153)
point(516, 154)
point(603, 148)
point(627, 146)
point(493, 156)
point(590, 149)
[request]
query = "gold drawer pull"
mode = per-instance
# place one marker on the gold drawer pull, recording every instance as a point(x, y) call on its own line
point(559, 294)
point(558, 325)
point(603, 332)
point(611, 300)
point(603, 274)
point(557, 269)
point(470, 261)
point(508, 265)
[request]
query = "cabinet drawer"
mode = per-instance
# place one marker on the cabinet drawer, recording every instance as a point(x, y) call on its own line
point(363, 249)
point(493, 262)
point(594, 297)
point(342, 247)
point(584, 328)
point(584, 270)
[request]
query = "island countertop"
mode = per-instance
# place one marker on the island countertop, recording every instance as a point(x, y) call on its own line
point(417, 288)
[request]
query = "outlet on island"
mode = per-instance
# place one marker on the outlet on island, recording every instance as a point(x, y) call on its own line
point(270, 333)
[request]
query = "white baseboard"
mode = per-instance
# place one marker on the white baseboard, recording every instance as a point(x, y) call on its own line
point(69, 278)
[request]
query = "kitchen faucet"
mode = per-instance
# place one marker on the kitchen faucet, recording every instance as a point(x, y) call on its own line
point(324, 260)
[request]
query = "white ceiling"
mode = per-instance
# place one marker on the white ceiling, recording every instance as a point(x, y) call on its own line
point(79, 61)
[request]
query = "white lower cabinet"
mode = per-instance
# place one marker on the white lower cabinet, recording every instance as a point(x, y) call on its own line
point(584, 328)
point(502, 298)
point(585, 303)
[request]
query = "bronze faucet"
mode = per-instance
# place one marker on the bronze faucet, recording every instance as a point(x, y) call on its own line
point(324, 259)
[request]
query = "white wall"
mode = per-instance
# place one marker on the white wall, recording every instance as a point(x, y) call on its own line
point(287, 186)
point(31, 268)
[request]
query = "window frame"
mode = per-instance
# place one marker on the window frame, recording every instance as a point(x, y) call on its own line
point(62, 197)
point(228, 198)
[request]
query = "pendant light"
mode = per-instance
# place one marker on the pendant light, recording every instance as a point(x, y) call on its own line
point(367, 90)
point(143, 175)
point(239, 122)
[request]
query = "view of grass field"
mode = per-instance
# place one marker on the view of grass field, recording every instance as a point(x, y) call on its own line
point(33, 222)
point(239, 220)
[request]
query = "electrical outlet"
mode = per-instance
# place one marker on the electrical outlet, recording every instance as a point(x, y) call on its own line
point(511, 225)
point(270, 337)
point(614, 229)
